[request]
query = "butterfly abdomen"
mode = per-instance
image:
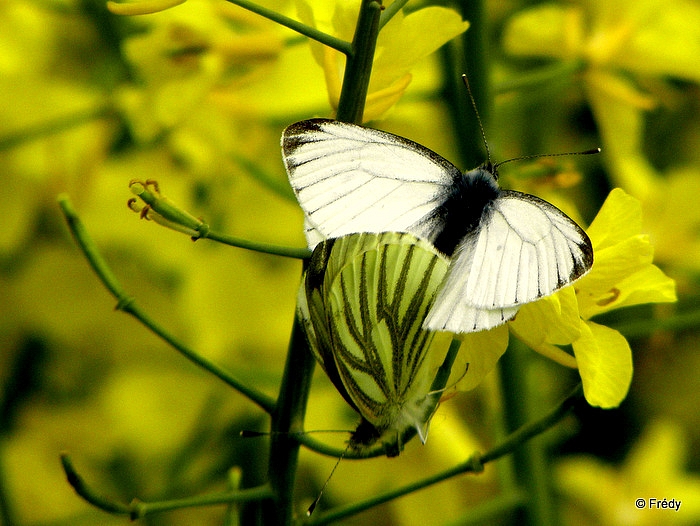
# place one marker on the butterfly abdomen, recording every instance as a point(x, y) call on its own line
point(463, 209)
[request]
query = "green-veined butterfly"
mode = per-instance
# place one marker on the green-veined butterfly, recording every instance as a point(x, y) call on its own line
point(362, 303)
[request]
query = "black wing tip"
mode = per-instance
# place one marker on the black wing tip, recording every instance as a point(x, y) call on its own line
point(293, 135)
point(582, 266)
point(306, 125)
point(586, 250)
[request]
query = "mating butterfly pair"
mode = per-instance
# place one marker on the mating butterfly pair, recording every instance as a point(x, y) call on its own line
point(501, 249)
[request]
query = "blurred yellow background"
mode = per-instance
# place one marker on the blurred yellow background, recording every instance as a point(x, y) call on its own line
point(196, 98)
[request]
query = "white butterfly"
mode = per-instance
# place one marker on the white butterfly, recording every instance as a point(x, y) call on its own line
point(507, 248)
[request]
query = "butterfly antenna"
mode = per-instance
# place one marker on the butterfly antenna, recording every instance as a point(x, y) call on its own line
point(447, 387)
point(478, 117)
point(486, 144)
point(536, 156)
point(323, 488)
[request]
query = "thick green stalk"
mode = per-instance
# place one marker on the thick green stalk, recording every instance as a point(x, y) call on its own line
point(467, 55)
point(530, 462)
point(288, 419)
point(358, 66)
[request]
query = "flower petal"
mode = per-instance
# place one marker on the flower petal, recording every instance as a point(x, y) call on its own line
point(601, 287)
point(554, 319)
point(619, 114)
point(547, 30)
point(664, 38)
point(619, 218)
point(407, 39)
point(647, 285)
point(478, 356)
point(605, 362)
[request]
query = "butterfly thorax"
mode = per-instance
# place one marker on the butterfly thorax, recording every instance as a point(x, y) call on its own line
point(464, 207)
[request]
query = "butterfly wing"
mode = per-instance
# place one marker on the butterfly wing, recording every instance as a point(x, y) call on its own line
point(361, 305)
point(524, 249)
point(351, 179)
point(376, 305)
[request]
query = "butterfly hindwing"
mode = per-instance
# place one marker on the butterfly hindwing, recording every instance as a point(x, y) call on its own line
point(524, 249)
point(362, 305)
point(351, 179)
point(387, 362)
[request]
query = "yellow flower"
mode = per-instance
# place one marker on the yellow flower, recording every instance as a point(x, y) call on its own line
point(619, 42)
point(478, 355)
point(633, 493)
point(673, 220)
point(622, 275)
point(403, 42)
point(188, 53)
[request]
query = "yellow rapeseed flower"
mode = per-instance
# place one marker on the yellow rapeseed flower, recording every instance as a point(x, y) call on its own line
point(619, 43)
point(622, 275)
point(403, 42)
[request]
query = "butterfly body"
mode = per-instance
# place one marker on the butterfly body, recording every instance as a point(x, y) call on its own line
point(507, 248)
point(464, 207)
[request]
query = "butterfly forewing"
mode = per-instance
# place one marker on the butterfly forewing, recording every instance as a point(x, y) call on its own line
point(351, 179)
point(526, 249)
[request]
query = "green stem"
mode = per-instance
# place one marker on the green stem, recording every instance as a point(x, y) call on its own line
point(256, 246)
point(544, 76)
point(138, 509)
point(475, 464)
point(358, 67)
point(390, 11)
point(341, 512)
point(128, 305)
point(311, 32)
point(530, 430)
point(233, 513)
point(260, 493)
point(274, 184)
point(467, 55)
point(530, 462)
point(288, 419)
point(491, 511)
point(496, 422)
point(475, 50)
point(166, 213)
point(322, 449)
point(87, 493)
